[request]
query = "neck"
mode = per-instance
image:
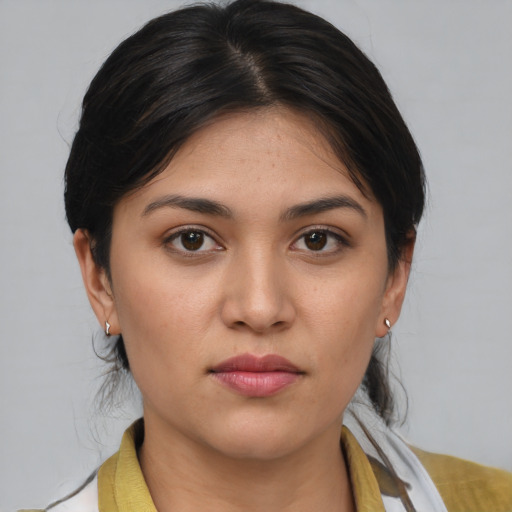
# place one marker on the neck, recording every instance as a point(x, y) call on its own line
point(182, 475)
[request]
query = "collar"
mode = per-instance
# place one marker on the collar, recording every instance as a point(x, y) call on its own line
point(122, 488)
point(121, 484)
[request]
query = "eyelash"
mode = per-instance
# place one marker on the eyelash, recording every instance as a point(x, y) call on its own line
point(341, 242)
point(176, 235)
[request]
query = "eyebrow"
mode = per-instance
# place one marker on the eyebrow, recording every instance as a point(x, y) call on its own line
point(322, 205)
point(210, 207)
point(194, 204)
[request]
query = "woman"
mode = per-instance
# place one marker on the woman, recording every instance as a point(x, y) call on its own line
point(244, 197)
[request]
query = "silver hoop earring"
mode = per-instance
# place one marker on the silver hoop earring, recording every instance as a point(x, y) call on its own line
point(388, 323)
point(107, 329)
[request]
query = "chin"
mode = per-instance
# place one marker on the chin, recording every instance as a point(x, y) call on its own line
point(258, 440)
point(257, 448)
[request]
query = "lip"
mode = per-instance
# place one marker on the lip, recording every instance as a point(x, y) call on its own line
point(256, 376)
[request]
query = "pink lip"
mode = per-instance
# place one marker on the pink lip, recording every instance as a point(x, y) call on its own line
point(256, 376)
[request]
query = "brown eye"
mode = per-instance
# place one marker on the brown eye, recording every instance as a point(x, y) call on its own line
point(323, 242)
point(316, 240)
point(192, 240)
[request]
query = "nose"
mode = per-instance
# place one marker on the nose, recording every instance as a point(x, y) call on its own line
point(257, 297)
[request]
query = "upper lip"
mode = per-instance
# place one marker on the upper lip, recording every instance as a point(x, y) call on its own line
point(252, 363)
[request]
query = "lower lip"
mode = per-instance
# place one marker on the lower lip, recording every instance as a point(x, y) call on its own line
point(256, 384)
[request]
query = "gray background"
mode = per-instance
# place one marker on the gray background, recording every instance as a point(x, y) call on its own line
point(448, 64)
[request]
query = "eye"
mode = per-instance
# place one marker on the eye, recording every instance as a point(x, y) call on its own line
point(321, 241)
point(192, 240)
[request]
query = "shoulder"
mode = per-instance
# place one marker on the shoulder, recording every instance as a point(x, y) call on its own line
point(466, 486)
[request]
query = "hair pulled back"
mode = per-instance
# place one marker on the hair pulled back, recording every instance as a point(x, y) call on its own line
point(185, 68)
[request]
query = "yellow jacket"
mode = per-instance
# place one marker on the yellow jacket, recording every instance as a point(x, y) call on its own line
point(464, 486)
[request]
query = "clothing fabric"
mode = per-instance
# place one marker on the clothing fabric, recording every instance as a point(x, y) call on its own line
point(386, 476)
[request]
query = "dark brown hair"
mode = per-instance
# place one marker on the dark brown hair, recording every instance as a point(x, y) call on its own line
point(186, 68)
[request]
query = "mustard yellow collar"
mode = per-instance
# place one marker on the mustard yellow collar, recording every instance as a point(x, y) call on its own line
point(121, 484)
point(122, 488)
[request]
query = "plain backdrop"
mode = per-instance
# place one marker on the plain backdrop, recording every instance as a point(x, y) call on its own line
point(448, 64)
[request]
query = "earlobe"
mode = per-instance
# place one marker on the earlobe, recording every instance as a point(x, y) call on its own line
point(396, 287)
point(96, 282)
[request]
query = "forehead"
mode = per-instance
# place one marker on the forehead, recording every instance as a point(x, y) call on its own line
point(250, 159)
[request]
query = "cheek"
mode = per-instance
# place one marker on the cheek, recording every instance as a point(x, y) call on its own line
point(341, 318)
point(162, 318)
point(152, 295)
point(345, 307)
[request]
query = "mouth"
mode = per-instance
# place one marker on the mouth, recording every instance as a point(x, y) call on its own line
point(255, 376)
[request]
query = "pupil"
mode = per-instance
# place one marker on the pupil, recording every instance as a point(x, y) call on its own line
point(192, 240)
point(316, 241)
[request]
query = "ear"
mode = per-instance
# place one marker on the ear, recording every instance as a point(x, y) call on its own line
point(396, 286)
point(96, 281)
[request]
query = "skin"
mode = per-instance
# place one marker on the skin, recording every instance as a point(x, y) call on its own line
point(256, 287)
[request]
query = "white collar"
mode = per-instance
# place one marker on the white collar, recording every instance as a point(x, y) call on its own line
point(389, 448)
point(85, 501)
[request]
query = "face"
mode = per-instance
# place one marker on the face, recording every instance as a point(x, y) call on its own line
point(249, 281)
